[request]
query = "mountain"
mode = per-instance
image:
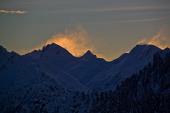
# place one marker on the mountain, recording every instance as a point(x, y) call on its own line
point(88, 67)
point(56, 61)
point(6, 56)
point(51, 80)
point(147, 91)
point(53, 55)
point(18, 71)
point(89, 56)
point(74, 71)
point(124, 67)
point(86, 72)
point(26, 86)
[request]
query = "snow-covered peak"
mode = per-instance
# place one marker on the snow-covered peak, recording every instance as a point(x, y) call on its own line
point(89, 55)
point(144, 49)
point(50, 51)
point(53, 48)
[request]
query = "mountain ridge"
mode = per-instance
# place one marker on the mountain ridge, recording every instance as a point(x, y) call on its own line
point(48, 81)
point(54, 45)
point(88, 70)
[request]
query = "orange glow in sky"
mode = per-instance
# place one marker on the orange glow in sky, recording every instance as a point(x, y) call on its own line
point(75, 42)
point(159, 40)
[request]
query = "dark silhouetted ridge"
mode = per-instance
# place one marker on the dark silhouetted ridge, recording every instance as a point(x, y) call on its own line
point(89, 55)
point(144, 49)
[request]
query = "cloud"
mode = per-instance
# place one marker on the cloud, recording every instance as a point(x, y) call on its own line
point(160, 40)
point(132, 8)
point(143, 20)
point(75, 41)
point(18, 12)
point(114, 9)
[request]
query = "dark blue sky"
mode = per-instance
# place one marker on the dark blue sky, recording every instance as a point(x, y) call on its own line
point(108, 27)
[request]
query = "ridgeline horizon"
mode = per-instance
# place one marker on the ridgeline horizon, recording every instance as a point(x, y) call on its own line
point(89, 52)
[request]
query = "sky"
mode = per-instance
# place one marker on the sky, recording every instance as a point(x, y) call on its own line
point(106, 27)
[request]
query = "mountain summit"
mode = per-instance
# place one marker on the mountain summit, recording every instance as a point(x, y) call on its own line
point(54, 48)
point(140, 50)
point(89, 55)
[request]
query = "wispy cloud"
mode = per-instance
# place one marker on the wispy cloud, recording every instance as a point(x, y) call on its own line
point(159, 40)
point(132, 8)
point(17, 12)
point(114, 9)
point(76, 41)
point(143, 20)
